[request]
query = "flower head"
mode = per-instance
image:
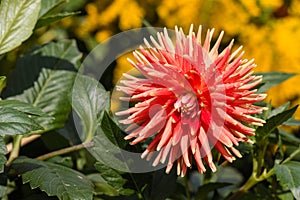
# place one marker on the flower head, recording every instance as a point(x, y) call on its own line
point(190, 99)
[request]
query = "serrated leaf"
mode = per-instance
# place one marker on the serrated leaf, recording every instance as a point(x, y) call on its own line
point(62, 55)
point(18, 18)
point(14, 122)
point(48, 19)
point(89, 99)
point(48, 5)
point(288, 174)
point(55, 180)
point(2, 82)
point(22, 107)
point(50, 93)
point(271, 79)
point(112, 178)
point(274, 122)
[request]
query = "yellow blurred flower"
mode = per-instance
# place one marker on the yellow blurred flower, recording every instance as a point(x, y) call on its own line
point(103, 35)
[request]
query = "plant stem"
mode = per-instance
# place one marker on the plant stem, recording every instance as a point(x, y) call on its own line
point(295, 153)
point(15, 149)
point(65, 150)
point(253, 180)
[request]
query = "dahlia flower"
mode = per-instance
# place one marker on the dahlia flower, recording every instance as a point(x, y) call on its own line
point(190, 99)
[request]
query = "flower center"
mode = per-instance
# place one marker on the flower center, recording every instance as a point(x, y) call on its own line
point(187, 104)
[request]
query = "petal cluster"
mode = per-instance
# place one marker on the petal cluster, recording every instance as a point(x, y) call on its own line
point(190, 99)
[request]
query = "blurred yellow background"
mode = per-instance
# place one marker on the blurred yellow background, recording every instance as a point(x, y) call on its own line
point(269, 30)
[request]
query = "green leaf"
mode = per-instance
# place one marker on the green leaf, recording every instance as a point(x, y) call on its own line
point(288, 174)
point(101, 186)
point(204, 190)
point(3, 159)
point(2, 83)
point(89, 99)
point(50, 93)
point(278, 110)
point(2, 162)
point(2, 146)
point(289, 137)
point(296, 192)
point(54, 179)
point(18, 18)
point(22, 107)
point(292, 122)
point(108, 144)
point(112, 178)
point(271, 79)
point(14, 122)
point(274, 122)
point(48, 19)
point(112, 131)
point(62, 55)
point(48, 5)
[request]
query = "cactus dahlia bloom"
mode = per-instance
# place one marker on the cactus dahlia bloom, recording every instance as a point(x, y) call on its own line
point(190, 99)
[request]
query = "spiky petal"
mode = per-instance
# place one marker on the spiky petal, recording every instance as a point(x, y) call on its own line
point(191, 99)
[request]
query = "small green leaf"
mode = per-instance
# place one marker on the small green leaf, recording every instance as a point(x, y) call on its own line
point(271, 79)
point(54, 179)
point(274, 122)
point(14, 122)
point(101, 186)
point(18, 18)
point(51, 93)
point(89, 99)
point(2, 83)
point(48, 19)
point(288, 174)
point(114, 179)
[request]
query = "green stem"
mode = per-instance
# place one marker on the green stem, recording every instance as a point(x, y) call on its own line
point(65, 150)
point(295, 153)
point(253, 180)
point(16, 145)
